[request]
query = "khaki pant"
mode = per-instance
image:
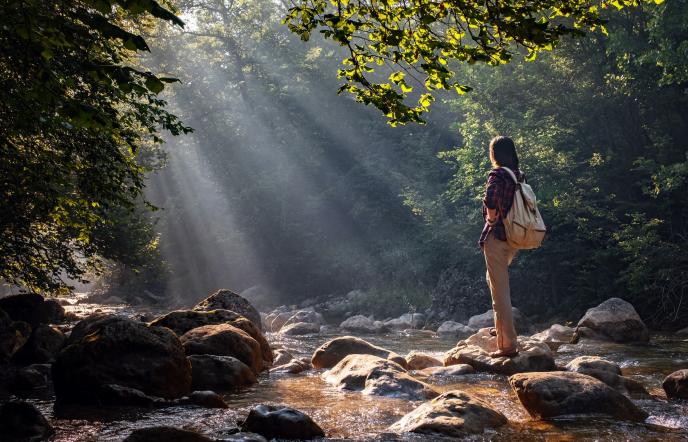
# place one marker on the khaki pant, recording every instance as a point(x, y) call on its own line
point(498, 256)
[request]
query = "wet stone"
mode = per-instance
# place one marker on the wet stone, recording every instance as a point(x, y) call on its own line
point(21, 422)
point(281, 422)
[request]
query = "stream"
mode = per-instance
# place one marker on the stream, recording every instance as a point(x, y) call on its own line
point(354, 416)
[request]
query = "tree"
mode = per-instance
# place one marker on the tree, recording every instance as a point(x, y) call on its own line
point(76, 113)
point(416, 42)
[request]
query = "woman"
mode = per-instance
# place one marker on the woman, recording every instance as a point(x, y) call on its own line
point(499, 196)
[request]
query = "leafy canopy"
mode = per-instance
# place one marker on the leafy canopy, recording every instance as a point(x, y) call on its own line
point(418, 39)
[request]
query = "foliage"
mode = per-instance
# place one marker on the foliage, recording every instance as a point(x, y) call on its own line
point(75, 111)
point(416, 42)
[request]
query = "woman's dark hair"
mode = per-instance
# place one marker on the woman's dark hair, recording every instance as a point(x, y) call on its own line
point(503, 152)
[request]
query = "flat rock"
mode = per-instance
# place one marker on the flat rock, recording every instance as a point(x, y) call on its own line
point(455, 330)
point(224, 340)
point(614, 320)
point(676, 385)
point(550, 394)
point(453, 414)
point(300, 329)
point(418, 361)
point(281, 422)
point(221, 373)
point(486, 320)
point(225, 299)
point(362, 324)
point(452, 370)
point(334, 350)
point(474, 351)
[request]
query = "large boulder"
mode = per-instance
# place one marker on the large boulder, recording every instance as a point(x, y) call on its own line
point(609, 373)
point(299, 329)
point(676, 385)
point(453, 414)
point(417, 361)
point(362, 324)
point(475, 351)
point(614, 320)
point(452, 329)
point(486, 320)
point(112, 350)
point(551, 394)
point(334, 350)
point(167, 434)
point(221, 373)
point(22, 422)
point(281, 422)
point(13, 336)
point(224, 340)
point(377, 376)
point(405, 321)
point(225, 299)
point(42, 346)
point(31, 308)
point(555, 336)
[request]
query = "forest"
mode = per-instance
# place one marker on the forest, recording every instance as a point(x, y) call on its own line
point(328, 160)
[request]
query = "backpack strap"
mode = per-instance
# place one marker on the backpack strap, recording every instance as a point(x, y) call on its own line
point(513, 175)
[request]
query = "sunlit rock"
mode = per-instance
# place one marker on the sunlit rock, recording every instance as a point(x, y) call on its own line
point(220, 373)
point(453, 414)
point(281, 422)
point(42, 346)
point(583, 363)
point(295, 366)
point(551, 394)
point(181, 321)
point(225, 299)
point(486, 320)
point(475, 351)
point(452, 329)
point(334, 350)
point(676, 385)
point(405, 321)
point(362, 324)
point(116, 350)
point(300, 329)
point(555, 336)
point(308, 316)
point(451, 370)
point(282, 356)
point(381, 382)
point(418, 361)
point(162, 433)
point(609, 373)
point(278, 317)
point(224, 340)
point(21, 421)
point(614, 320)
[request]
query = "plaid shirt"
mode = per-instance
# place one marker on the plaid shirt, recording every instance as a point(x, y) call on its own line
point(499, 194)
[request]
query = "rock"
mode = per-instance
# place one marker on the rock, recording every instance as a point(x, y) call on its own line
point(454, 330)
point(555, 336)
point(25, 379)
point(583, 363)
point(276, 318)
point(352, 371)
point(308, 316)
point(113, 394)
point(29, 307)
point(206, 399)
point(113, 300)
point(260, 297)
point(334, 350)
point(294, 366)
point(282, 357)
point(682, 332)
point(362, 324)
point(224, 340)
point(225, 299)
point(181, 321)
point(115, 350)
point(408, 320)
point(167, 434)
point(676, 385)
point(42, 346)
point(614, 320)
point(551, 394)
point(453, 414)
point(280, 422)
point(53, 311)
point(418, 361)
point(486, 320)
point(242, 436)
point(300, 329)
point(21, 422)
point(452, 370)
point(253, 331)
point(13, 336)
point(220, 373)
point(382, 382)
point(474, 351)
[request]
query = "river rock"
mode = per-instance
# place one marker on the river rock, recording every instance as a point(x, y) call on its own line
point(22, 422)
point(609, 373)
point(334, 350)
point(454, 330)
point(20, 380)
point(362, 324)
point(555, 336)
point(31, 308)
point(583, 363)
point(181, 321)
point(299, 329)
point(281, 422)
point(167, 434)
point(120, 351)
point(13, 336)
point(475, 351)
point(42, 346)
point(453, 414)
point(486, 320)
point(276, 318)
point(307, 316)
point(676, 385)
point(614, 320)
point(352, 371)
point(295, 366)
point(219, 373)
point(452, 370)
point(205, 399)
point(283, 356)
point(551, 394)
point(224, 340)
point(225, 299)
point(405, 321)
point(418, 361)
point(389, 383)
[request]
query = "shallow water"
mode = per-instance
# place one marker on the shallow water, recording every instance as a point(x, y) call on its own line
point(353, 416)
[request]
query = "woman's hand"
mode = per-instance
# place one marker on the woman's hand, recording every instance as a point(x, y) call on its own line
point(491, 218)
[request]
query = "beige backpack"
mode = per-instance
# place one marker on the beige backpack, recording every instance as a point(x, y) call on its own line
point(524, 226)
